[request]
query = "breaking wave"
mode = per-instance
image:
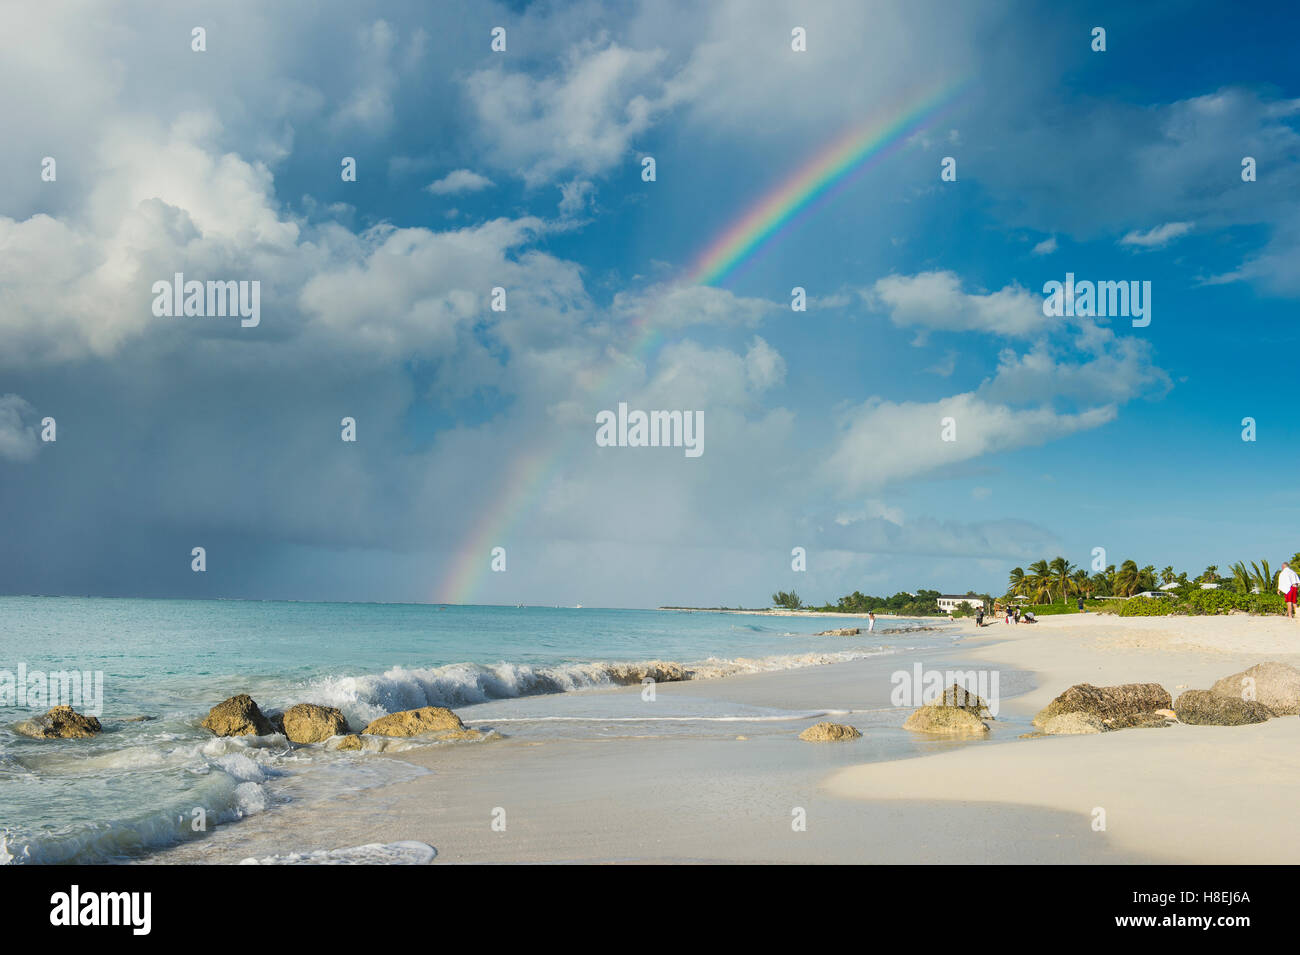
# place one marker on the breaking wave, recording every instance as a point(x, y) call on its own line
point(365, 698)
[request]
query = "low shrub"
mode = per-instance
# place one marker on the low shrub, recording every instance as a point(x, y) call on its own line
point(1048, 610)
point(1265, 603)
point(1146, 607)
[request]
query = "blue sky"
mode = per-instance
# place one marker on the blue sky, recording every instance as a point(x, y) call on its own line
point(822, 427)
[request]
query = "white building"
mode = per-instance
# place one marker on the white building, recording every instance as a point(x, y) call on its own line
point(950, 602)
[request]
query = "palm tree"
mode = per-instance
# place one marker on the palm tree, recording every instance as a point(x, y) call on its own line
point(1060, 569)
point(1262, 577)
point(1167, 576)
point(1016, 581)
point(1101, 584)
point(1038, 581)
point(1211, 574)
point(1240, 577)
point(1081, 583)
point(1127, 579)
point(1147, 577)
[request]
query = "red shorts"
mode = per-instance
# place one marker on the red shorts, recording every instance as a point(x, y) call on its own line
point(1290, 595)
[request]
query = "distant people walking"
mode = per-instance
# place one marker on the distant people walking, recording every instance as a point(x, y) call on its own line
point(871, 621)
point(1006, 614)
point(1017, 615)
point(1081, 610)
point(1288, 581)
point(979, 617)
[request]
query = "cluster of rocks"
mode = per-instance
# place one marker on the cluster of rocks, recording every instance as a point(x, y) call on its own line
point(843, 632)
point(955, 712)
point(1254, 695)
point(302, 723)
point(312, 723)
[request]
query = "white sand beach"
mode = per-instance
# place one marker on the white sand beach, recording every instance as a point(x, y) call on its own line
point(1206, 794)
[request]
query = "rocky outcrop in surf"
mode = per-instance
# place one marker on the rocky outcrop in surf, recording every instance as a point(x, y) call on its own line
point(660, 671)
point(61, 722)
point(424, 721)
point(842, 632)
point(238, 716)
point(827, 732)
point(946, 720)
point(310, 723)
point(962, 698)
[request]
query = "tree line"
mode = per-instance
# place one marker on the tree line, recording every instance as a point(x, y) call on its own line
point(1057, 580)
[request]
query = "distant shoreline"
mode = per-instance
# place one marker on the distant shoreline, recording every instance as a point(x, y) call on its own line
point(770, 612)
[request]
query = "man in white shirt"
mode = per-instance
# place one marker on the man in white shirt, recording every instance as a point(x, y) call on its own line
point(1288, 582)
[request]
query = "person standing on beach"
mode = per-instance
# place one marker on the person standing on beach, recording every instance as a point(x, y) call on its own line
point(1288, 581)
point(871, 621)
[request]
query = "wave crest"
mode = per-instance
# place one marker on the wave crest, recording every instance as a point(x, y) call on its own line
point(368, 697)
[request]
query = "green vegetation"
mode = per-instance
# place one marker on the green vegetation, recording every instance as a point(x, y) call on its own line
point(790, 601)
point(1146, 607)
point(1055, 583)
point(924, 603)
point(1049, 610)
point(1054, 586)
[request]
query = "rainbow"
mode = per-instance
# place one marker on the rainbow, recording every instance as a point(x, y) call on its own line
point(825, 174)
point(733, 250)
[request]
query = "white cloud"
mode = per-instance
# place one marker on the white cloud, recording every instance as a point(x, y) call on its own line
point(1156, 237)
point(575, 196)
point(690, 375)
point(459, 180)
point(1118, 370)
point(1046, 247)
point(883, 442)
point(681, 306)
point(742, 71)
point(583, 119)
point(935, 300)
point(945, 366)
point(378, 66)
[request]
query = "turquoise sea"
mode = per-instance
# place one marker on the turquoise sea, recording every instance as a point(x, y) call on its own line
point(143, 783)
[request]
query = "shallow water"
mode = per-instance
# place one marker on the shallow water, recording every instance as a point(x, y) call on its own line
point(528, 672)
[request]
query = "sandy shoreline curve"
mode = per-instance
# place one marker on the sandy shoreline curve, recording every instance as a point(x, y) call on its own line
point(1196, 794)
point(1205, 794)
